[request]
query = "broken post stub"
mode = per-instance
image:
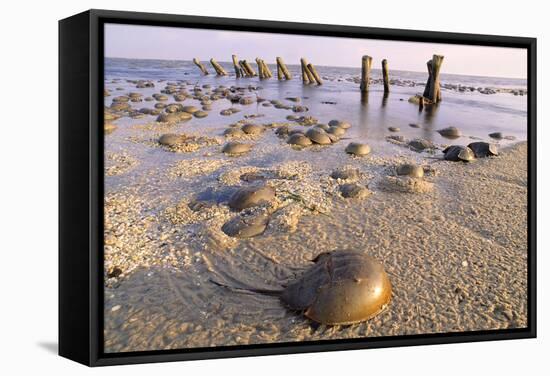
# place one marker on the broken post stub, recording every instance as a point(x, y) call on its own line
point(218, 68)
point(385, 76)
point(316, 76)
point(238, 69)
point(200, 65)
point(366, 65)
point(283, 69)
point(433, 86)
point(305, 78)
point(266, 69)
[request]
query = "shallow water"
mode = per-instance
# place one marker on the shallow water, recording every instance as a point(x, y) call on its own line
point(172, 304)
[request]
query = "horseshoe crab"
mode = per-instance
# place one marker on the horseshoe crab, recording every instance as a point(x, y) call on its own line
point(354, 190)
point(245, 227)
point(299, 139)
point(450, 132)
point(248, 197)
point(421, 144)
point(318, 136)
point(357, 148)
point(339, 123)
point(458, 153)
point(343, 287)
point(483, 149)
point(253, 129)
point(236, 148)
point(409, 169)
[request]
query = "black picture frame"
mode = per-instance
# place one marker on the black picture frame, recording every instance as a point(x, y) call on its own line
point(81, 186)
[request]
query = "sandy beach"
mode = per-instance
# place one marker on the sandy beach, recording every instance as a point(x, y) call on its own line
point(454, 242)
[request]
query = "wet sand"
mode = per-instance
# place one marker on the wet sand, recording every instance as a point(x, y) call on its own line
point(456, 256)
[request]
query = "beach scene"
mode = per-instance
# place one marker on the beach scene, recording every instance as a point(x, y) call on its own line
point(272, 188)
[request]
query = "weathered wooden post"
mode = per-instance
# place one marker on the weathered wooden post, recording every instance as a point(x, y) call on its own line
point(366, 65)
point(267, 70)
point(283, 68)
point(316, 76)
point(280, 74)
point(244, 72)
point(200, 65)
point(249, 69)
point(218, 68)
point(305, 79)
point(261, 72)
point(433, 86)
point(385, 76)
point(429, 82)
point(308, 72)
point(238, 71)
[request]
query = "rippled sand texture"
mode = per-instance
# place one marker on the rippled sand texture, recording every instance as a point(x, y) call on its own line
point(456, 257)
point(454, 243)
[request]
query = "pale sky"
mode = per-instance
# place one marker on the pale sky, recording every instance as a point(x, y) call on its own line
point(171, 43)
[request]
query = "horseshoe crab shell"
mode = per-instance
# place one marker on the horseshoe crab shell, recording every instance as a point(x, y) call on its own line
point(450, 132)
point(483, 149)
point(318, 136)
point(343, 287)
point(459, 153)
point(247, 197)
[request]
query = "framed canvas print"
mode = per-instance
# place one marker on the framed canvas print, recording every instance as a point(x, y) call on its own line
point(236, 187)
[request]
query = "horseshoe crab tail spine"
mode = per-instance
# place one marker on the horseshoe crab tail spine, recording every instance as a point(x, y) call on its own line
point(245, 288)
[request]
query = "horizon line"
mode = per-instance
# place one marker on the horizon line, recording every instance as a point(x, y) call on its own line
point(319, 65)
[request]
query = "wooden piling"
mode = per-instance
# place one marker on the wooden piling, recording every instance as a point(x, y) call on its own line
point(218, 68)
point(200, 65)
point(366, 65)
point(284, 69)
point(244, 72)
point(305, 78)
point(280, 74)
point(429, 82)
point(385, 76)
point(267, 70)
point(433, 86)
point(308, 72)
point(238, 71)
point(261, 73)
point(316, 76)
point(249, 68)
